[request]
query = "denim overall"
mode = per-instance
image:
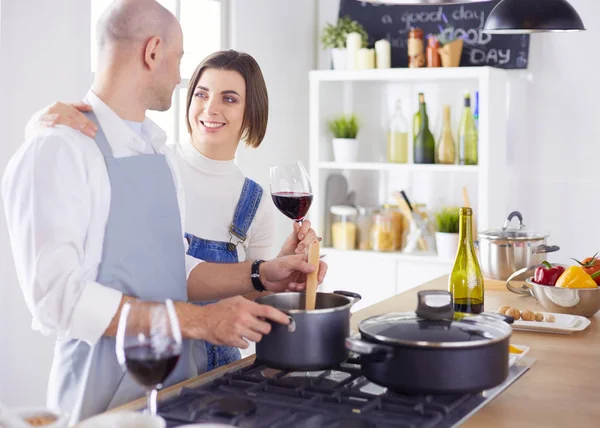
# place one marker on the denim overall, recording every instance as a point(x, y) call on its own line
point(143, 255)
point(226, 252)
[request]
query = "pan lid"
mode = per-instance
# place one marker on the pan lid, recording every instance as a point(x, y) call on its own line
point(434, 326)
point(518, 234)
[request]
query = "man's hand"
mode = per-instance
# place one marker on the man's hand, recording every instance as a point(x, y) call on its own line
point(229, 321)
point(289, 273)
point(68, 114)
point(299, 240)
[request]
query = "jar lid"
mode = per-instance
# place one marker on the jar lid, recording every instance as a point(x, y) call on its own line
point(343, 210)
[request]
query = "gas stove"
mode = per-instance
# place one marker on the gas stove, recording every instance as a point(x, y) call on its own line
point(257, 396)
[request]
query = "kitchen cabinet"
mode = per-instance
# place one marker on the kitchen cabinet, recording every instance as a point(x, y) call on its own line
point(371, 95)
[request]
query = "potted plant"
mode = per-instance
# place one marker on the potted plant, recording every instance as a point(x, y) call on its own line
point(345, 144)
point(446, 236)
point(334, 38)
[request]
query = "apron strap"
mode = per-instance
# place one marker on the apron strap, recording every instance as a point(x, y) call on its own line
point(100, 138)
point(246, 209)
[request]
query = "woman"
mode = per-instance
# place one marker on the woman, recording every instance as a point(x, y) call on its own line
point(227, 102)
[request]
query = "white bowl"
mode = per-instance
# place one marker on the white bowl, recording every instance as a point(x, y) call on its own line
point(62, 421)
point(123, 420)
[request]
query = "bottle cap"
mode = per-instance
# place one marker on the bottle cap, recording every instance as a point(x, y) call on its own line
point(465, 211)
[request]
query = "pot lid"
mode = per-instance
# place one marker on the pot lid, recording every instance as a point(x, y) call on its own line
point(518, 234)
point(419, 329)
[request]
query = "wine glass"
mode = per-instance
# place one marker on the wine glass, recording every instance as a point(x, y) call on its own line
point(291, 190)
point(149, 344)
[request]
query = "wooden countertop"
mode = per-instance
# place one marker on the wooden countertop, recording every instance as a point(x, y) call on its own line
point(561, 389)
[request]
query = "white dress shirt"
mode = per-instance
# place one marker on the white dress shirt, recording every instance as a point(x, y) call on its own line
point(218, 184)
point(56, 193)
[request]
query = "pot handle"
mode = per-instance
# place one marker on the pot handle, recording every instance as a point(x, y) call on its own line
point(354, 296)
point(363, 347)
point(516, 214)
point(291, 327)
point(525, 289)
point(541, 249)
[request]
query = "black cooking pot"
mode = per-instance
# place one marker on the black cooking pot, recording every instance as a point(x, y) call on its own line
point(313, 340)
point(434, 351)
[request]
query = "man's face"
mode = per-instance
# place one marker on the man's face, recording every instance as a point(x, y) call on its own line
point(168, 72)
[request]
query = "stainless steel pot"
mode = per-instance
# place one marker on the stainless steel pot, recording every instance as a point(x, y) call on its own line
point(314, 340)
point(504, 251)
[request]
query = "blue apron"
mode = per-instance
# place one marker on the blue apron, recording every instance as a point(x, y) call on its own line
point(142, 256)
point(226, 252)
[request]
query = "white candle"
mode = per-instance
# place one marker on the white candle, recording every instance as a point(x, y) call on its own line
point(383, 50)
point(366, 59)
point(353, 44)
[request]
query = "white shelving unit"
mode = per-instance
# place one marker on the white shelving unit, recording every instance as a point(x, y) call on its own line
point(371, 94)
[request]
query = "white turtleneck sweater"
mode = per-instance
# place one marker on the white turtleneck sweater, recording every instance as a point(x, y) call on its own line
point(212, 191)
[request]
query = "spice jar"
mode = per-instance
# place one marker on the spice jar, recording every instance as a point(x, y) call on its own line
point(364, 224)
point(416, 48)
point(433, 56)
point(397, 224)
point(383, 236)
point(343, 227)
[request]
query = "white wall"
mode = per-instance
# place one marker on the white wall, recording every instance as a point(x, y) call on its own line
point(44, 56)
point(280, 35)
point(552, 154)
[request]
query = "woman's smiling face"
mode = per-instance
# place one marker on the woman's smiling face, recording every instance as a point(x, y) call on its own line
point(216, 112)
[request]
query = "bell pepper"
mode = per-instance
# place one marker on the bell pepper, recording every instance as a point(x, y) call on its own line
point(591, 265)
point(547, 274)
point(576, 277)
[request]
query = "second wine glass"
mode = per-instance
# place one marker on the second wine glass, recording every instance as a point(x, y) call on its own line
point(291, 190)
point(149, 344)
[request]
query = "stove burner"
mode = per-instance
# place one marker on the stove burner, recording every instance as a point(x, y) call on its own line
point(354, 423)
point(232, 407)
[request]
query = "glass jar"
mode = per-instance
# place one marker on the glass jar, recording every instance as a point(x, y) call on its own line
point(364, 224)
point(343, 227)
point(397, 223)
point(383, 235)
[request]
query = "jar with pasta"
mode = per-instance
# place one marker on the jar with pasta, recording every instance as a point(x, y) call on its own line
point(364, 224)
point(397, 223)
point(343, 227)
point(383, 235)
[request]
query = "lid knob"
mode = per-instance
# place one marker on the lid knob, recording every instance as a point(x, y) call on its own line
point(435, 305)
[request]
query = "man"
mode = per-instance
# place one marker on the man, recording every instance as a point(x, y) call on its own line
point(95, 224)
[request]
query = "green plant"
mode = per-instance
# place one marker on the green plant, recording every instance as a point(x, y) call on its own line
point(344, 126)
point(447, 220)
point(334, 35)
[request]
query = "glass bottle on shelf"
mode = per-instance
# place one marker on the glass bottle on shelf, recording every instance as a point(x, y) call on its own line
point(424, 149)
point(397, 148)
point(445, 149)
point(467, 136)
point(476, 112)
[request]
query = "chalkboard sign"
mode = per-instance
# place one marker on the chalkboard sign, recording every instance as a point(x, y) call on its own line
point(394, 22)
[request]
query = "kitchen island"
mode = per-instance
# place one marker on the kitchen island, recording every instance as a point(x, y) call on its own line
point(561, 389)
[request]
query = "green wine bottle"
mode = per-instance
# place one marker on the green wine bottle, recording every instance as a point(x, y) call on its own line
point(466, 281)
point(467, 136)
point(424, 150)
point(417, 118)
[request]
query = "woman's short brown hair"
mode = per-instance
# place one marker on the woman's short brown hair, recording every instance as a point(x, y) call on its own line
point(256, 110)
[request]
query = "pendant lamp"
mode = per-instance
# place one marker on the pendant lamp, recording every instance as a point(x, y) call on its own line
point(532, 16)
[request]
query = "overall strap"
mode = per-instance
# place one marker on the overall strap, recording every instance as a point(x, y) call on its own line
point(246, 209)
point(100, 138)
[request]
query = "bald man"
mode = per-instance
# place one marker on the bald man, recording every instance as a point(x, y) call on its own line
point(97, 223)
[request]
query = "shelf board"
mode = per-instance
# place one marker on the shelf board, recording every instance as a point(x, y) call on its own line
point(404, 74)
point(383, 166)
point(393, 255)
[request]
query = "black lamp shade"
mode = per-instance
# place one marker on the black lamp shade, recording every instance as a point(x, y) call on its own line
point(532, 16)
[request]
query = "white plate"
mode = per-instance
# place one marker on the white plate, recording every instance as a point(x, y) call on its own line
point(126, 419)
point(564, 324)
point(514, 358)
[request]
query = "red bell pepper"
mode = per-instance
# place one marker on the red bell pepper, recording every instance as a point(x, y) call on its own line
point(547, 274)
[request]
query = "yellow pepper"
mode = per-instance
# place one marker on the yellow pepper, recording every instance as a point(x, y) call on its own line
point(575, 277)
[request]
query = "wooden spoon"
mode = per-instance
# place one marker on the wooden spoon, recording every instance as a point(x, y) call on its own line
point(311, 280)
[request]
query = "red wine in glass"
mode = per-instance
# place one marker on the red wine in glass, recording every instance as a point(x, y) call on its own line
point(149, 344)
point(291, 190)
point(292, 204)
point(149, 368)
